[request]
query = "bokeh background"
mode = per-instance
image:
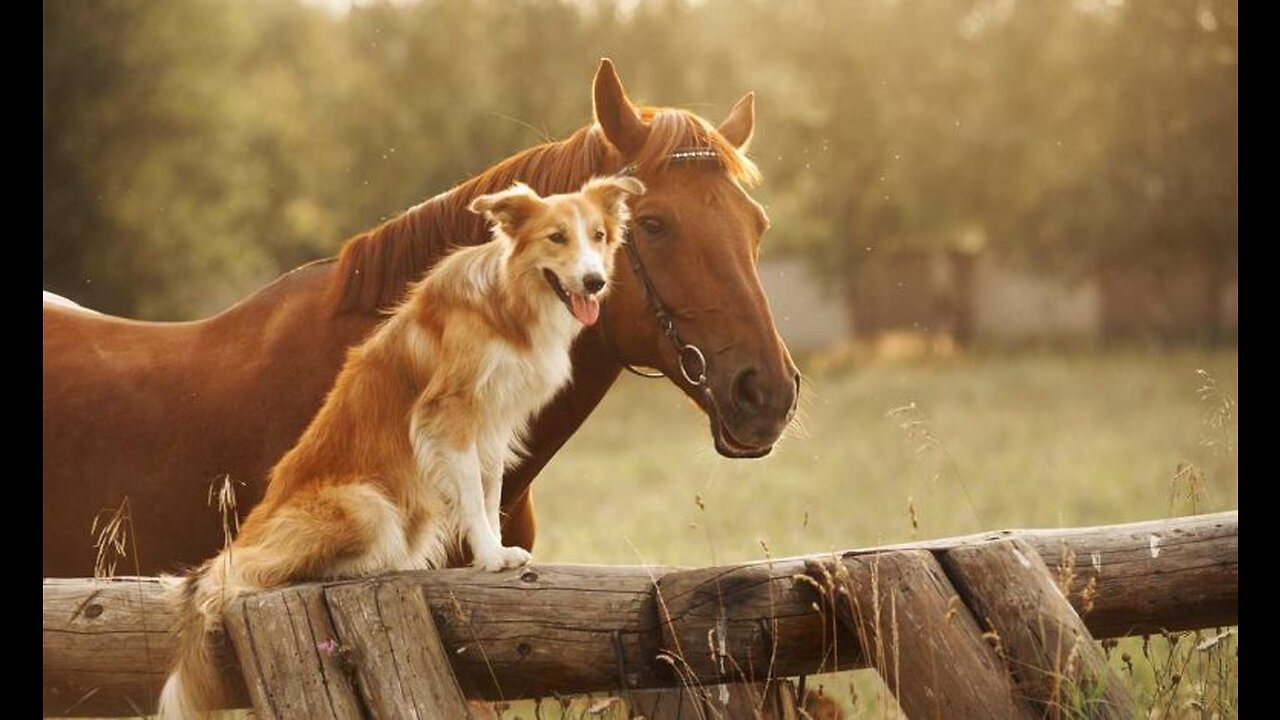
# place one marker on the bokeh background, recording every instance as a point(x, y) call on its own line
point(1005, 243)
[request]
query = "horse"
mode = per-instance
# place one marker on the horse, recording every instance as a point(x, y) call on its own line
point(156, 413)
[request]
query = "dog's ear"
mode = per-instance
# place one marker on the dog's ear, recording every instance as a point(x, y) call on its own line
point(510, 208)
point(610, 193)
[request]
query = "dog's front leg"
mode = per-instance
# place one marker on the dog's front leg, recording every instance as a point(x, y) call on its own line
point(491, 479)
point(445, 434)
point(475, 509)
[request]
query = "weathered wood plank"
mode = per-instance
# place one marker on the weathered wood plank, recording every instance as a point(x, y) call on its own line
point(744, 623)
point(544, 630)
point(283, 640)
point(913, 629)
point(402, 667)
point(1060, 668)
point(1133, 566)
point(1142, 578)
point(107, 645)
point(521, 635)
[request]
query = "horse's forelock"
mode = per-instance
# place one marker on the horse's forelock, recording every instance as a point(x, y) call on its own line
point(671, 129)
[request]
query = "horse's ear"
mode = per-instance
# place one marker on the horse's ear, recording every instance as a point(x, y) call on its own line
point(510, 208)
point(617, 116)
point(741, 123)
point(611, 193)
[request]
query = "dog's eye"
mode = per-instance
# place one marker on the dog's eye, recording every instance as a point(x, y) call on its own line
point(558, 238)
point(599, 235)
point(652, 226)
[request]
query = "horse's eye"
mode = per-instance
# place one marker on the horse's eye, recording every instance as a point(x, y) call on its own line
point(652, 226)
point(558, 238)
point(599, 235)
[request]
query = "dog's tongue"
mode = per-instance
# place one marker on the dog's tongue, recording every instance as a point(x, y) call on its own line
point(586, 309)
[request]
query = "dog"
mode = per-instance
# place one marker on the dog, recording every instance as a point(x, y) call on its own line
point(404, 462)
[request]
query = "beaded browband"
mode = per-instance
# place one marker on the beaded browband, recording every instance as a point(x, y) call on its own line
point(684, 154)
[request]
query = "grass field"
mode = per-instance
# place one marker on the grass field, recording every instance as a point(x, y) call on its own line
point(890, 453)
point(1024, 440)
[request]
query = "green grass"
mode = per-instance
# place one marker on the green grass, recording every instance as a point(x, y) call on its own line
point(1025, 440)
point(1021, 441)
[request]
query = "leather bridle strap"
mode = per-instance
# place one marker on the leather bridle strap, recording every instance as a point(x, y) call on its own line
point(693, 364)
point(690, 359)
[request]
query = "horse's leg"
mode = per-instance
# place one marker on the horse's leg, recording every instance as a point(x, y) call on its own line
point(518, 524)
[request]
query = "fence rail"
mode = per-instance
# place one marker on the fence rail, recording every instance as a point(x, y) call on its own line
point(560, 629)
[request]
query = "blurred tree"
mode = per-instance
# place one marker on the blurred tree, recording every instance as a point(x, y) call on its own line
point(1144, 195)
point(1171, 167)
point(194, 149)
point(171, 143)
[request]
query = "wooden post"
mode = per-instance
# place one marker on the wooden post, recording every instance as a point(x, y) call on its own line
point(284, 641)
point(914, 630)
point(674, 703)
point(760, 701)
point(402, 667)
point(1048, 648)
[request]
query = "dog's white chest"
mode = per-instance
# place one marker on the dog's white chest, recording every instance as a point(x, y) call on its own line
point(517, 382)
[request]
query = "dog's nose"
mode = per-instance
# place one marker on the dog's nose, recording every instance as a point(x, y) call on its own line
point(593, 283)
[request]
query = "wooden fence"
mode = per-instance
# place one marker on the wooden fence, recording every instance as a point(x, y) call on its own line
point(973, 626)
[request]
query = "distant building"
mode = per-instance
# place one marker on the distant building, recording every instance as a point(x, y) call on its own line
point(1015, 305)
point(809, 315)
point(982, 299)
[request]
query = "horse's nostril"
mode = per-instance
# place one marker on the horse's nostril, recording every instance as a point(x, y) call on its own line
point(593, 283)
point(747, 391)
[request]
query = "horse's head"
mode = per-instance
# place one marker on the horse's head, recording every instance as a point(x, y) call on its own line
point(688, 301)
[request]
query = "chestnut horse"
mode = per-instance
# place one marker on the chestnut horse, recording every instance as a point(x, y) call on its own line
point(156, 412)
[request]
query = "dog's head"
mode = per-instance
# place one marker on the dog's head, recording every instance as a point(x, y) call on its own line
point(569, 239)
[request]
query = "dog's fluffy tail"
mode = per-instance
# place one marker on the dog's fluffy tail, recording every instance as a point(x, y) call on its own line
point(195, 686)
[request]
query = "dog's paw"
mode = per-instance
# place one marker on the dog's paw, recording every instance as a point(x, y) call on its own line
point(516, 556)
point(504, 558)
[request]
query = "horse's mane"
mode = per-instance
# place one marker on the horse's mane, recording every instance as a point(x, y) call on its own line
point(375, 267)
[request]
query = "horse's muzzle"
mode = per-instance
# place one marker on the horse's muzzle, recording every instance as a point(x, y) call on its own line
point(755, 415)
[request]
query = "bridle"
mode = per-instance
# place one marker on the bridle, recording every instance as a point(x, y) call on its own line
point(690, 359)
point(685, 352)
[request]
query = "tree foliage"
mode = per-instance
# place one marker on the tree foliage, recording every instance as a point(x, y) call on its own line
point(194, 149)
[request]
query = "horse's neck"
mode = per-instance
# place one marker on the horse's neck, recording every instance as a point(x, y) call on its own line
point(374, 267)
